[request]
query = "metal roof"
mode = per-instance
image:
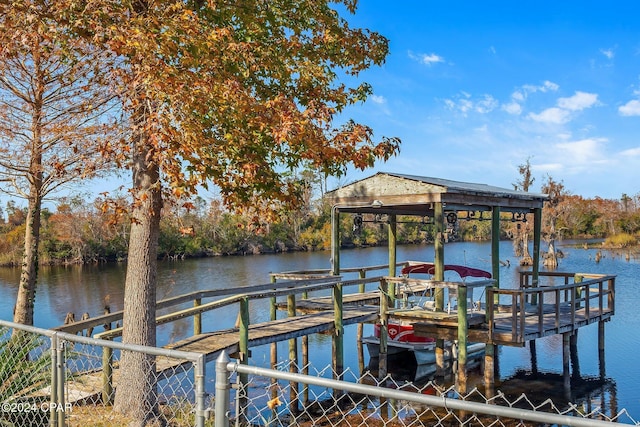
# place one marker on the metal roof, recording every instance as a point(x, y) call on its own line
point(411, 194)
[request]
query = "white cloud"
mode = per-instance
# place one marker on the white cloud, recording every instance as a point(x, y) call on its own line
point(520, 95)
point(426, 58)
point(378, 99)
point(609, 53)
point(464, 103)
point(631, 108)
point(512, 108)
point(546, 86)
point(487, 104)
point(631, 152)
point(551, 115)
point(582, 152)
point(579, 101)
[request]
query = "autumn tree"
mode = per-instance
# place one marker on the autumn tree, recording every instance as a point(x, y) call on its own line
point(229, 93)
point(52, 112)
point(521, 240)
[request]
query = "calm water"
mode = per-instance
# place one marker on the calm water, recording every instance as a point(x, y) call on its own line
point(89, 288)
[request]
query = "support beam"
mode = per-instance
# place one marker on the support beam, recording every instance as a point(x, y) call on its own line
point(392, 256)
point(335, 241)
point(495, 249)
point(537, 230)
point(463, 329)
point(438, 220)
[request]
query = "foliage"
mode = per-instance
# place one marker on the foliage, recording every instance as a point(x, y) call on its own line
point(621, 240)
point(102, 234)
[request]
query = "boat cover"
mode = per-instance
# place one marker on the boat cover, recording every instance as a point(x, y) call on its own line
point(429, 268)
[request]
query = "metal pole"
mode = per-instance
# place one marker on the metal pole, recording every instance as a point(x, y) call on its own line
point(60, 384)
point(54, 376)
point(200, 376)
point(223, 388)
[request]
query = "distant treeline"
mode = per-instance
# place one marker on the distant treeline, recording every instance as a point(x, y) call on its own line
point(88, 232)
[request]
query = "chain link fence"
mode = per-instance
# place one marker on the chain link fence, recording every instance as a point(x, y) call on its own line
point(52, 378)
point(282, 397)
point(56, 379)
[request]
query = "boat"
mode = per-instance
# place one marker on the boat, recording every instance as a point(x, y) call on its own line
point(423, 348)
point(401, 337)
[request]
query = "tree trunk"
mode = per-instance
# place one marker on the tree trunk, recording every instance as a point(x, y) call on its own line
point(136, 394)
point(25, 301)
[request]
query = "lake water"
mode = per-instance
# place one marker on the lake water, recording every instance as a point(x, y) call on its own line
point(82, 289)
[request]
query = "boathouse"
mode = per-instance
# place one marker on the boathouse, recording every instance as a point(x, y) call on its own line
point(510, 316)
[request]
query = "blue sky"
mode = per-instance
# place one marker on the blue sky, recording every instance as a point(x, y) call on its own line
point(474, 88)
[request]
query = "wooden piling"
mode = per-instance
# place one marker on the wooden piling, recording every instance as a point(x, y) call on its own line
point(392, 256)
point(384, 331)
point(463, 329)
point(338, 336)
point(107, 375)
point(573, 355)
point(293, 358)
point(534, 357)
point(495, 250)
point(438, 220)
point(601, 363)
point(489, 367)
point(566, 337)
point(197, 318)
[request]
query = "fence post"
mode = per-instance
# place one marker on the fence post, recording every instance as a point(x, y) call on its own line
point(60, 377)
point(54, 377)
point(222, 391)
point(200, 376)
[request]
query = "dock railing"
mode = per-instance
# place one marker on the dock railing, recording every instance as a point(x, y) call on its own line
point(544, 310)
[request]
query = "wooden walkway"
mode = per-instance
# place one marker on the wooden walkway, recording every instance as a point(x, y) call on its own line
point(213, 343)
point(88, 386)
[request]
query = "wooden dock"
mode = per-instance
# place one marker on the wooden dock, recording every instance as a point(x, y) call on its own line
point(213, 343)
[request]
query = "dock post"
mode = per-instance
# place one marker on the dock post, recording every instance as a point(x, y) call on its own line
point(566, 338)
point(293, 357)
point(534, 357)
point(107, 375)
point(384, 323)
point(489, 367)
point(495, 251)
point(360, 330)
point(338, 335)
point(392, 256)
point(601, 349)
point(244, 345)
point(573, 354)
point(463, 330)
point(438, 244)
point(197, 318)
point(273, 315)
